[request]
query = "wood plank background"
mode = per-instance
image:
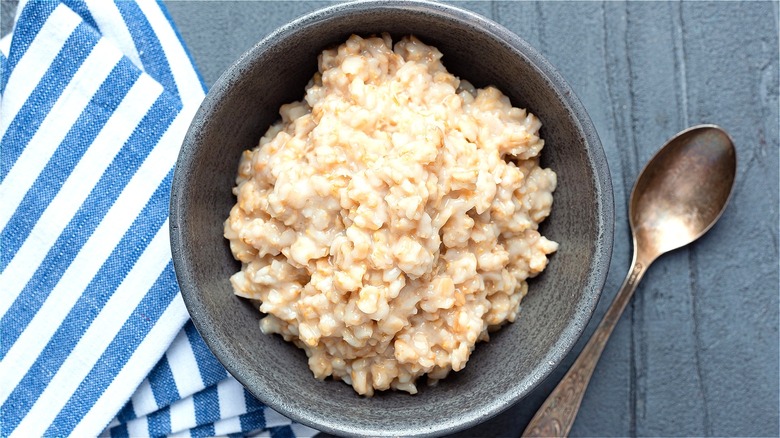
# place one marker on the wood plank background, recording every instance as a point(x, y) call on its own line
point(696, 352)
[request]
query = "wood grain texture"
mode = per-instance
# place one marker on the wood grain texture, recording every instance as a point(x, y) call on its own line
point(697, 351)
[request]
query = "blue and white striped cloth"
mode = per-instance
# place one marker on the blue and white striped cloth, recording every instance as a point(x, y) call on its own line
point(95, 99)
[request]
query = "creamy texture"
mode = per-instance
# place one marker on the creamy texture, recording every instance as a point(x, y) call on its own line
point(389, 219)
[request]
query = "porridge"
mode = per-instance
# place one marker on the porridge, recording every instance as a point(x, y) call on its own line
point(389, 220)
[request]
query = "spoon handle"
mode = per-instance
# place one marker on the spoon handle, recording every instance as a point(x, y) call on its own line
point(556, 415)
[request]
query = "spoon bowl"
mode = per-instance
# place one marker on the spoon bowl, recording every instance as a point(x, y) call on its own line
point(682, 190)
point(679, 195)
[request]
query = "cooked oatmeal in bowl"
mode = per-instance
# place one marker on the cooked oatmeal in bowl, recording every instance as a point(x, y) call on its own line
point(390, 219)
point(349, 234)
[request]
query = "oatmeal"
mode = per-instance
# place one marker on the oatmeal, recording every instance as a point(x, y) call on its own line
point(389, 219)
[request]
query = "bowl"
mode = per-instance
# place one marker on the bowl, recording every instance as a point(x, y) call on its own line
point(244, 102)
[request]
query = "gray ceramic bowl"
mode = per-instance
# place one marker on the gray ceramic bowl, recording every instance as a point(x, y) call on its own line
point(238, 110)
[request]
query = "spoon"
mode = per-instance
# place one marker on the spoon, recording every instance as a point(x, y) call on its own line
point(679, 195)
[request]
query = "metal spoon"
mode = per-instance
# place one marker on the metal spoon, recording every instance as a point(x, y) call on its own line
point(679, 195)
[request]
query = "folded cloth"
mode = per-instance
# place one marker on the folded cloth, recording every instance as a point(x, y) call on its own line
point(221, 409)
point(189, 389)
point(95, 99)
point(186, 368)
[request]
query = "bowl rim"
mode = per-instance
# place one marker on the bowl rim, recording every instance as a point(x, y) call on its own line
point(602, 249)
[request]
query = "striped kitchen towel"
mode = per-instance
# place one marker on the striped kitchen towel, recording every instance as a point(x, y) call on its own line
point(187, 390)
point(95, 99)
point(221, 409)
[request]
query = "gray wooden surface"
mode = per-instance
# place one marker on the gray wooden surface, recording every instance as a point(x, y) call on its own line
point(697, 351)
